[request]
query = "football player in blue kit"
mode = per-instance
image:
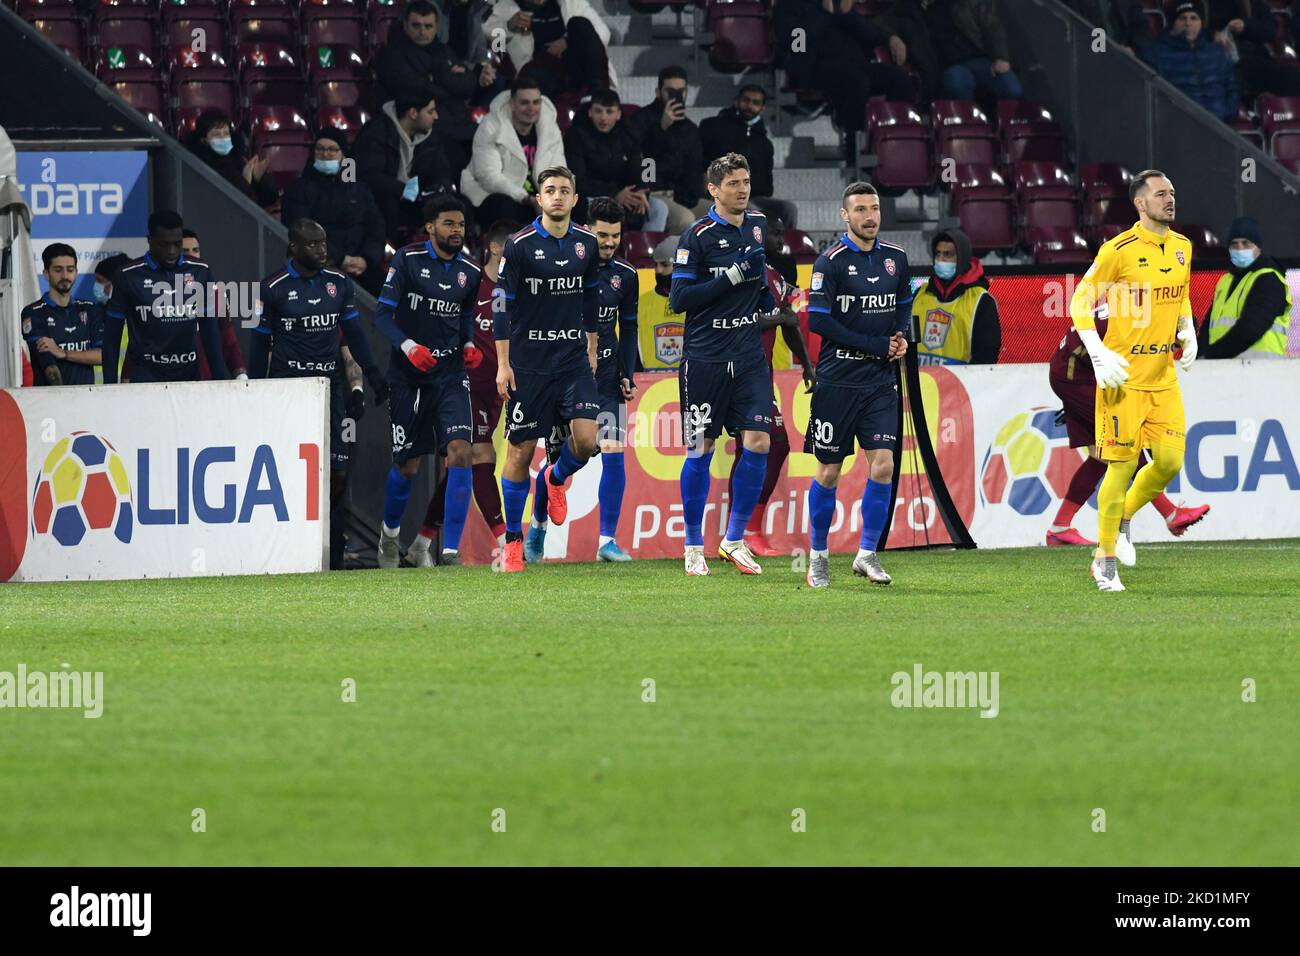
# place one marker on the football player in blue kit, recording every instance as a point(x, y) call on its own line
point(64, 335)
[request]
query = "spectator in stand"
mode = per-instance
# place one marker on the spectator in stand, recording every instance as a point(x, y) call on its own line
point(970, 45)
point(1251, 312)
point(416, 60)
point(344, 207)
point(1125, 20)
point(739, 128)
point(234, 358)
point(605, 156)
point(1244, 28)
point(400, 157)
point(217, 143)
point(673, 142)
point(954, 316)
point(836, 57)
point(559, 43)
point(1188, 58)
point(516, 140)
point(464, 28)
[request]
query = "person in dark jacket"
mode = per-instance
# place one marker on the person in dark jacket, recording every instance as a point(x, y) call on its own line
point(739, 128)
point(606, 158)
point(970, 45)
point(954, 316)
point(1191, 61)
point(1250, 315)
point(415, 59)
point(400, 156)
point(345, 208)
point(216, 141)
point(1244, 28)
point(673, 142)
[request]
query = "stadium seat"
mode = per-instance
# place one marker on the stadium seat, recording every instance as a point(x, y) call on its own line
point(950, 115)
point(1046, 212)
point(1286, 144)
point(1042, 181)
point(380, 18)
point(31, 10)
point(265, 59)
point(270, 25)
point(1034, 142)
point(1058, 245)
point(325, 26)
point(130, 32)
point(987, 222)
point(180, 31)
point(209, 65)
point(270, 118)
point(901, 143)
point(349, 119)
point(125, 10)
point(65, 33)
point(344, 93)
point(1291, 164)
point(1022, 112)
point(1104, 180)
point(288, 152)
point(800, 246)
point(1278, 112)
point(975, 179)
point(185, 119)
point(1108, 231)
point(638, 247)
point(1246, 124)
point(125, 63)
point(961, 146)
point(335, 63)
point(265, 5)
point(742, 34)
point(204, 94)
point(1205, 244)
point(145, 95)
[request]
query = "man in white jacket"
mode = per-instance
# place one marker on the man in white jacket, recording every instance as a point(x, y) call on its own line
point(561, 43)
point(517, 139)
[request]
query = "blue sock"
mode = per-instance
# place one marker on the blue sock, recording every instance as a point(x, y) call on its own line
point(821, 511)
point(396, 494)
point(567, 464)
point(514, 495)
point(613, 479)
point(875, 510)
point(539, 498)
point(459, 486)
point(695, 492)
point(745, 488)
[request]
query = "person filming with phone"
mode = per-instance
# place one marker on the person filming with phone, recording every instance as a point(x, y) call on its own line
point(672, 143)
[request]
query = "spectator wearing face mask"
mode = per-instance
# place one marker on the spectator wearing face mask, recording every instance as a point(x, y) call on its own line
point(217, 143)
point(1250, 314)
point(955, 318)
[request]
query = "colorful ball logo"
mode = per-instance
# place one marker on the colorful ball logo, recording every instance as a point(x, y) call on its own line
point(1030, 463)
point(83, 486)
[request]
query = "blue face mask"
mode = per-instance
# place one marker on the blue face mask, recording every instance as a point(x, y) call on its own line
point(1241, 258)
point(327, 166)
point(755, 119)
point(223, 146)
point(945, 270)
point(100, 293)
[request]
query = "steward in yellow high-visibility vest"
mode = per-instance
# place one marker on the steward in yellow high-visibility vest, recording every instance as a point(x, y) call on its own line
point(1251, 311)
point(954, 317)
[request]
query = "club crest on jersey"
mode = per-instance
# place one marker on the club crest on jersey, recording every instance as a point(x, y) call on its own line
point(580, 251)
point(758, 235)
point(1179, 256)
point(615, 282)
point(189, 280)
point(889, 266)
point(331, 288)
point(460, 279)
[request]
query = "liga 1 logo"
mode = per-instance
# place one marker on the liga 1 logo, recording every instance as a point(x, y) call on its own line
point(1030, 463)
point(82, 486)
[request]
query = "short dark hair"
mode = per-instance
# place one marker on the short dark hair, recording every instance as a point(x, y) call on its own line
point(161, 219)
point(604, 209)
point(108, 266)
point(57, 250)
point(1138, 184)
point(443, 202)
point(421, 8)
point(189, 234)
point(859, 188)
point(209, 120)
point(550, 172)
point(300, 226)
point(337, 136)
point(413, 98)
point(729, 163)
point(500, 231)
point(605, 98)
point(671, 73)
point(752, 88)
point(524, 82)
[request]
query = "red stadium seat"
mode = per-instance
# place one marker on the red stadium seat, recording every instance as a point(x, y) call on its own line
point(987, 222)
point(31, 10)
point(288, 152)
point(181, 31)
point(145, 95)
point(1061, 245)
point(1286, 144)
point(335, 63)
point(742, 34)
point(265, 59)
point(325, 26)
point(1021, 112)
point(1205, 244)
point(209, 65)
point(132, 32)
point(191, 9)
point(204, 94)
point(1104, 180)
point(638, 247)
point(267, 24)
point(125, 63)
point(1047, 212)
point(901, 143)
point(1043, 181)
point(1107, 232)
point(125, 10)
point(1291, 164)
point(979, 148)
point(281, 91)
point(343, 93)
point(269, 119)
point(185, 119)
point(1278, 112)
point(349, 119)
point(1034, 142)
point(380, 18)
point(334, 7)
point(65, 33)
point(800, 246)
point(966, 115)
point(264, 5)
point(974, 179)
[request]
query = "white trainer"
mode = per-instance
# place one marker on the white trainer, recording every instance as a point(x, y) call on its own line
point(696, 567)
point(738, 553)
point(1106, 581)
point(1125, 551)
point(867, 565)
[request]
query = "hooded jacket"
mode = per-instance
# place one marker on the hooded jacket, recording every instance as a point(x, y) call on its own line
point(677, 152)
point(401, 66)
point(986, 332)
point(1200, 69)
point(730, 132)
point(603, 162)
point(353, 224)
point(498, 164)
point(1266, 300)
point(386, 158)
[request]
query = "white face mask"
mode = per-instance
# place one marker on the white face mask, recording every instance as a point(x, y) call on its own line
point(222, 146)
point(1241, 258)
point(945, 270)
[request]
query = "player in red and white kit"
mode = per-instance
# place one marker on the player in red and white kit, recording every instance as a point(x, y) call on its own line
point(1071, 376)
point(785, 318)
point(485, 406)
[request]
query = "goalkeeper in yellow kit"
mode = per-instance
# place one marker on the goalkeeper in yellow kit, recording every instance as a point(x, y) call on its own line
point(1140, 282)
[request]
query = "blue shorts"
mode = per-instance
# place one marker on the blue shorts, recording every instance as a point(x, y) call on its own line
point(427, 417)
point(841, 413)
point(611, 422)
point(542, 400)
point(717, 395)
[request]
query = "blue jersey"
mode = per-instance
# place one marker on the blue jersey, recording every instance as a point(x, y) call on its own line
point(619, 292)
point(429, 300)
point(858, 299)
point(302, 317)
point(75, 327)
point(162, 309)
point(726, 328)
point(550, 290)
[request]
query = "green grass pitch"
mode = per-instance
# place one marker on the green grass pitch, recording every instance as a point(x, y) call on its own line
point(476, 692)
